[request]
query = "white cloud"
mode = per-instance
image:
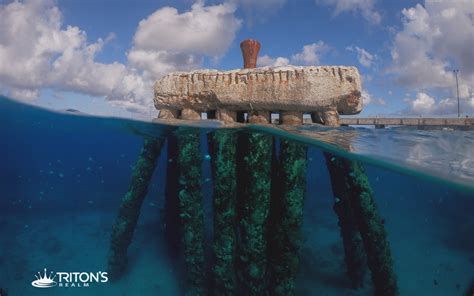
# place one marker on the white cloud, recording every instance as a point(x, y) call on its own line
point(426, 104)
point(423, 103)
point(366, 97)
point(364, 7)
point(206, 30)
point(267, 61)
point(167, 41)
point(310, 54)
point(37, 51)
point(364, 57)
point(436, 38)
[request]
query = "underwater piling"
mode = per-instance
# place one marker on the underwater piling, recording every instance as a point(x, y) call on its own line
point(354, 253)
point(122, 231)
point(254, 180)
point(222, 147)
point(190, 209)
point(370, 224)
point(285, 237)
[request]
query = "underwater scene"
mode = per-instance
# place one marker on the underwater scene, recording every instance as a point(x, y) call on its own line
point(108, 206)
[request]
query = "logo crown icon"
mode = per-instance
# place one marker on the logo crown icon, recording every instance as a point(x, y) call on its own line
point(44, 281)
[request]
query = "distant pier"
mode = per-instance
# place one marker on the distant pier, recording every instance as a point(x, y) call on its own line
point(382, 122)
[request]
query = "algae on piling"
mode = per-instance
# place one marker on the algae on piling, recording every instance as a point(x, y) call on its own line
point(191, 211)
point(222, 147)
point(285, 237)
point(354, 254)
point(130, 206)
point(255, 158)
point(370, 225)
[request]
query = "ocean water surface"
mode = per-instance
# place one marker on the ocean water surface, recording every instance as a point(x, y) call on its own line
point(63, 177)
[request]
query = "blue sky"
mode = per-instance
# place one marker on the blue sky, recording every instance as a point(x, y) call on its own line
point(102, 57)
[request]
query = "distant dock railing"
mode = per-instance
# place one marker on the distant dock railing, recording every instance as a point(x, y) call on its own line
point(382, 122)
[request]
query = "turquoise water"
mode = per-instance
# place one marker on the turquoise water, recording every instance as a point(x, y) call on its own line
point(63, 177)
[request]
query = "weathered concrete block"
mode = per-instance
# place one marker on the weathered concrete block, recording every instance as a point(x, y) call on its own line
point(290, 88)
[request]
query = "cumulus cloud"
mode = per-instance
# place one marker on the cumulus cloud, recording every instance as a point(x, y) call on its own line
point(309, 55)
point(364, 57)
point(367, 99)
point(366, 8)
point(425, 104)
point(207, 30)
point(37, 51)
point(169, 41)
point(435, 39)
point(266, 60)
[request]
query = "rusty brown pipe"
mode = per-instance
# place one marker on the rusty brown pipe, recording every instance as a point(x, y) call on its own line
point(250, 49)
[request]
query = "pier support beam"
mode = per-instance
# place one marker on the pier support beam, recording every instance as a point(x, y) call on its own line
point(374, 236)
point(354, 254)
point(369, 223)
point(287, 217)
point(222, 147)
point(190, 114)
point(259, 117)
point(168, 114)
point(191, 212)
point(227, 116)
point(328, 118)
point(254, 177)
point(291, 118)
point(129, 211)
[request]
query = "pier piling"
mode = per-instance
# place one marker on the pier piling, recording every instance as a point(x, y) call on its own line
point(190, 209)
point(130, 207)
point(222, 147)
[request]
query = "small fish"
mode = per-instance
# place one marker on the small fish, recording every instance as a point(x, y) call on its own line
point(207, 157)
point(61, 175)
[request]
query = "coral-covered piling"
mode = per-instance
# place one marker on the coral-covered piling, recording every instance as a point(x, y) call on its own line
point(191, 211)
point(254, 195)
point(222, 147)
point(129, 211)
point(285, 236)
point(371, 227)
point(353, 247)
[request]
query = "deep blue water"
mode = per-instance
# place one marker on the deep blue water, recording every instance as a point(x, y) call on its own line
point(62, 178)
